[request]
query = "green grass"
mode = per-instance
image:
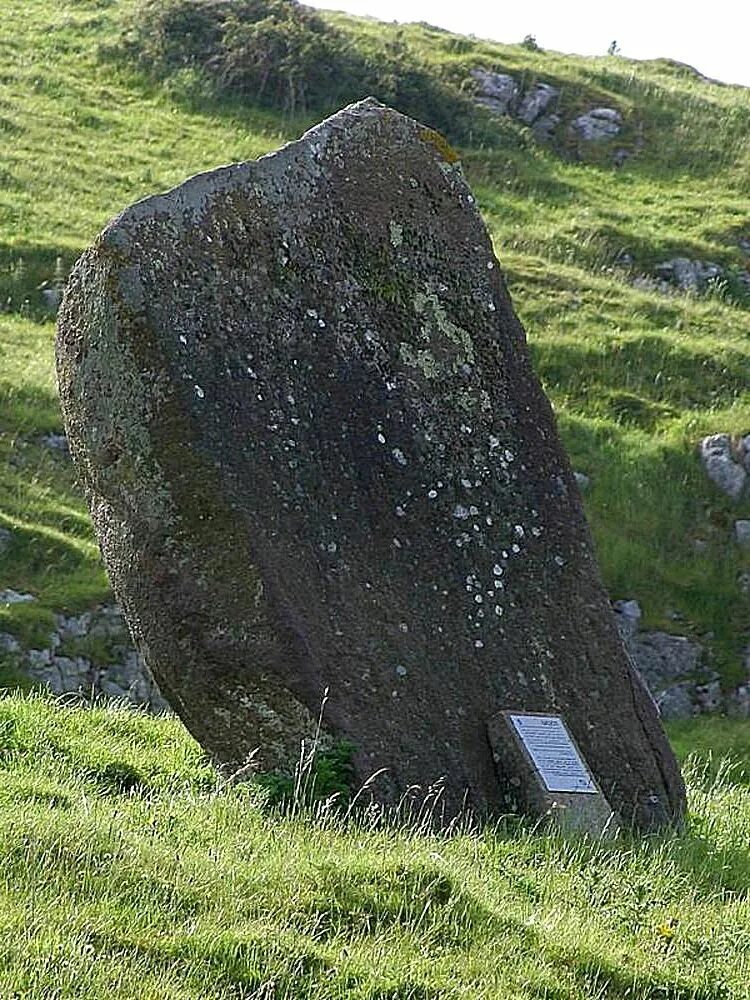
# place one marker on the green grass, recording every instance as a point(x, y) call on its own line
point(636, 378)
point(128, 866)
point(128, 869)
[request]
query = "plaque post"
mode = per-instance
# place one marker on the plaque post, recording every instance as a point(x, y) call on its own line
point(545, 775)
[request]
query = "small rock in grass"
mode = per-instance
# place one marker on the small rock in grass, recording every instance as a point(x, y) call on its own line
point(14, 597)
point(720, 465)
point(9, 643)
point(6, 538)
point(742, 533)
point(738, 703)
point(597, 124)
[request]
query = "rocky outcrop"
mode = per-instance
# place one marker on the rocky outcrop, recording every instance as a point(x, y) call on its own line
point(318, 458)
point(674, 670)
point(90, 655)
point(497, 91)
point(685, 274)
point(535, 101)
point(537, 105)
point(597, 125)
point(726, 461)
point(689, 275)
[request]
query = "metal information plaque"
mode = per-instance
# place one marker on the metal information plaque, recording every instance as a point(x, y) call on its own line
point(555, 756)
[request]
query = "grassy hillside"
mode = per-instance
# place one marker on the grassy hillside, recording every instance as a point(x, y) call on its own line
point(129, 870)
point(128, 867)
point(636, 377)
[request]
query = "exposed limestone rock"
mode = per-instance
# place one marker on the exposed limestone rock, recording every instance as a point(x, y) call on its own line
point(688, 275)
point(90, 655)
point(503, 95)
point(673, 668)
point(497, 91)
point(597, 124)
point(724, 464)
point(676, 702)
point(536, 101)
point(6, 539)
point(317, 458)
point(15, 597)
point(544, 128)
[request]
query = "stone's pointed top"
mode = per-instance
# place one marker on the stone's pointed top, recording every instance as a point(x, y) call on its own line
point(186, 203)
point(317, 457)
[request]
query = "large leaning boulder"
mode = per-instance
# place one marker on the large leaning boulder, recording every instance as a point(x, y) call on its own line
point(317, 458)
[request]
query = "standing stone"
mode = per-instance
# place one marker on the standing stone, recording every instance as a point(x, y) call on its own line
point(317, 457)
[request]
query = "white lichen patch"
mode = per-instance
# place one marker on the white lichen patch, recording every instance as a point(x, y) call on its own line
point(450, 341)
point(397, 233)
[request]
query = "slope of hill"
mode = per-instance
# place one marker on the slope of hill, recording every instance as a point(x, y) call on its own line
point(637, 375)
point(129, 867)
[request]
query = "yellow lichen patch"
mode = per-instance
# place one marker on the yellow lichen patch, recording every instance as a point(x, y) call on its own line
point(440, 143)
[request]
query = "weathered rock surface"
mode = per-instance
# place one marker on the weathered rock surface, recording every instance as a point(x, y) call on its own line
point(724, 464)
point(597, 124)
point(90, 655)
point(534, 104)
point(497, 91)
point(688, 275)
point(674, 670)
point(317, 458)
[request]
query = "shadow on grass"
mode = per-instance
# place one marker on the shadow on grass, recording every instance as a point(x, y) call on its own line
point(596, 978)
point(641, 381)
